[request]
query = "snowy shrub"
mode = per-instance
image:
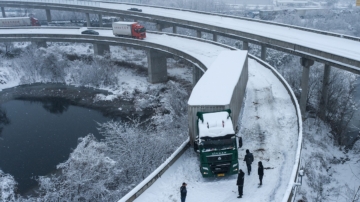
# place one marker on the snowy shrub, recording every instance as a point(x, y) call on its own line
point(88, 175)
point(39, 65)
point(7, 187)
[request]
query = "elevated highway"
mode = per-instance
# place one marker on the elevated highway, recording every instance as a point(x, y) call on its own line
point(201, 53)
point(331, 49)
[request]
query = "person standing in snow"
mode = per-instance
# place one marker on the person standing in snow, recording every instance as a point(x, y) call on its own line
point(183, 192)
point(260, 172)
point(240, 182)
point(249, 158)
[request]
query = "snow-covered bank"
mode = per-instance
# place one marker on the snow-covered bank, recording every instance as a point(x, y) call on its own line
point(113, 171)
point(269, 130)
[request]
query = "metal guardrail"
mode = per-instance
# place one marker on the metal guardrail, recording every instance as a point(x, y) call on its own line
point(74, 2)
point(142, 186)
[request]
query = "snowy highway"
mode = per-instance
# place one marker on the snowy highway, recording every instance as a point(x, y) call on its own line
point(204, 52)
point(268, 127)
point(269, 130)
point(336, 49)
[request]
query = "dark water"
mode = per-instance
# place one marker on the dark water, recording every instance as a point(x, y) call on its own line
point(36, 136)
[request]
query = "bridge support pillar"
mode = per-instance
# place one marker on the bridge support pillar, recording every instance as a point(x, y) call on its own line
point(245, 45)
point(39, 44)
point(48, 15)
point(306, 63)
point(100, 20)
point(159, 27)
point(101, 49)
point(174, 29)
point(157, 68)
point(197, 74)
point(88, 24)
point(263, 53)
point(324, 92)
point(3, 12)
point(198, 33)
point(215, 37)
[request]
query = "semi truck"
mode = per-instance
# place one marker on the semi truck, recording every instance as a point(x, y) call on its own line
point(19, 21)
point(216, 144)
point(129, 29)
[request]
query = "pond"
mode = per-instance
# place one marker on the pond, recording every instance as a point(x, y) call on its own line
point(39, 132)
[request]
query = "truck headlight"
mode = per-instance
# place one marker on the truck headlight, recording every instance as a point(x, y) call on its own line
point(235, 169)
point(205, 168)
point(235, 165)
point(205, 173)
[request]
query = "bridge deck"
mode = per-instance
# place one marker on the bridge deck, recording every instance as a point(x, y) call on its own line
point(334, 45)
point(269, 130)
point(204, 52)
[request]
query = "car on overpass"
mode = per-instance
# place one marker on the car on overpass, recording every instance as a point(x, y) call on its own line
point(91, 32)
point(135, 9)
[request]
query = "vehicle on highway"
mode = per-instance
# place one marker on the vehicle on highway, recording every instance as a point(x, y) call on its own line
point(19, 21)
point(216, 144)
point(135, 9)
point(129, 29)
point(91, 32)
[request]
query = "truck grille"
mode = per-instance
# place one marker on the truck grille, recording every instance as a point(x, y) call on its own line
point(222, 158)
point(220, 168)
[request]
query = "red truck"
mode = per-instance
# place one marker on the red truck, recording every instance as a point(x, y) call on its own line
point(19, 21)
point(129, 29)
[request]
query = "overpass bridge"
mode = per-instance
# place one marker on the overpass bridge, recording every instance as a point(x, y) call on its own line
point(331, 49)
point(201, 53)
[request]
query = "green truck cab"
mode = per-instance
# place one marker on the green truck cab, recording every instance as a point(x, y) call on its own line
point(216, 144)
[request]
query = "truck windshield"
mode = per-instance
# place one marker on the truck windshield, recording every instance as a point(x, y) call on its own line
point(142, 30)
point(218, 144)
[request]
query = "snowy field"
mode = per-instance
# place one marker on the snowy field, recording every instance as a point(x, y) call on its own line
point(269, 130)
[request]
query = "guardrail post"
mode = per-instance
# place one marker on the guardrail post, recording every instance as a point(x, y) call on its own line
point(324, 92)
point(198, 33)
point(48, 15)
point(88, 24)
point(101, 49)
point(39, 44)
point(174, 29)
point(263, 53)
point(197, 74)
point(3, 12)
point(157, 69)
point(215, 37)
point(100, 20)
point(306, 63)
point(245, 45)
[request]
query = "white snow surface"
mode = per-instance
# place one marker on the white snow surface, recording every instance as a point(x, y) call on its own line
point(330, 44)
point(269, 130)
point(204, 52)
point(221, 77)
point(215, 124)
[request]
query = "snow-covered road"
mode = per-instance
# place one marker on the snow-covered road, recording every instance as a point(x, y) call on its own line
point(269, 130)
point(204, 52)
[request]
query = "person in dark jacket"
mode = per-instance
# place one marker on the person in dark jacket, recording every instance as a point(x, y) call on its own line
point(260, 172)
point(240, 182)
point(249, 158)
point(183, 192)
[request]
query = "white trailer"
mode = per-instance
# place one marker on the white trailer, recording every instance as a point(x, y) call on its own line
point(14, 22)
point(122, 28)
point(129, 29)
point(19, 21)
